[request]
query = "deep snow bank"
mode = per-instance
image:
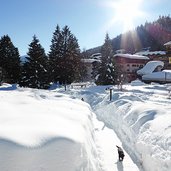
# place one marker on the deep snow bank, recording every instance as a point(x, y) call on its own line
point(45, 131)
point(141, 118)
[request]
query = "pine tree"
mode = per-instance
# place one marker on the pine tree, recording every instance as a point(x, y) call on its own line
point(95, 70)
point(71, 56)
point(55, 55)
point(107, 73)
point(64, 56)
point(35, 69)
point(9, 60)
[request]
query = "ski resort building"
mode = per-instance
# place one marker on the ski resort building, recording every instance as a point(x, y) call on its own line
point(129, 64)
point(163, 56)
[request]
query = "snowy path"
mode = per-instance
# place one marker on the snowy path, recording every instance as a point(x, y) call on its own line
point(106, 142)
point(106, 138)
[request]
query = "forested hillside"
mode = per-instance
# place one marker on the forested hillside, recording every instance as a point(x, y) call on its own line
point(150, 35)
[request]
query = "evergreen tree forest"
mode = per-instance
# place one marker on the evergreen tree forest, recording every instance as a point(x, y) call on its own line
point(151, 35)
point(62, 65)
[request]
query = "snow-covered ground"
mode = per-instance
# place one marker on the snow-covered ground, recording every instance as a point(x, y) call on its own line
point(49, 130)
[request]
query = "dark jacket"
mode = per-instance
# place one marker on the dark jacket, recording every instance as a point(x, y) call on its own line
point(120, 152)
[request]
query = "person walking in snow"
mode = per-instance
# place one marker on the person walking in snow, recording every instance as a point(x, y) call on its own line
point(120, 153)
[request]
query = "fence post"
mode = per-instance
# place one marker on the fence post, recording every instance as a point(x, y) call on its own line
point(110, 94)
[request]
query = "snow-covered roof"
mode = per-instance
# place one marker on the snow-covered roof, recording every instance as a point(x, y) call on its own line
point(91, 60)
point(96, 55)
point(168, 43)
point(150, 67)
point(132, 56)
point(146, 53)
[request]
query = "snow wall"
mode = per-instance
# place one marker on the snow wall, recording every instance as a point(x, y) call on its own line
point(45, 131)
point(136, 123)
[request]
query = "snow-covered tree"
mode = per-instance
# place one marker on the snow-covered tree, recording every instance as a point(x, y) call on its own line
point(107, 72)
point(95, 69)
point(35, 70)
point(9, 60)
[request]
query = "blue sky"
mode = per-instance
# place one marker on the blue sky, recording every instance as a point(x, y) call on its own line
point(89, 20)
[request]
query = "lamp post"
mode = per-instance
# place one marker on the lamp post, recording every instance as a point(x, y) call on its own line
point(0, 75)
point(110, 94)
point(165, 77)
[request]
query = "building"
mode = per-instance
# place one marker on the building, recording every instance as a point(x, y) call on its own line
point(120, 51)
point(168, 47)
point(163, 56)
point(95, 59)
point(129, 64)
point(168, 54)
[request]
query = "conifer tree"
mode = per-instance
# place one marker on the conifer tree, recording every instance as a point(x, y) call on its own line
point(35, 69)
point(9, 60)
point(71, 56)
point(55, 55)
point(64, 56)
point(107, 73)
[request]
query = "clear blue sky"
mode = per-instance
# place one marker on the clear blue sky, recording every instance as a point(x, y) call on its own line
point(89, 20)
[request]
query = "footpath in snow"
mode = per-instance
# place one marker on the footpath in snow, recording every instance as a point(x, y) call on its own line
point(140, 116)
point(106, 137)
point(106, 142)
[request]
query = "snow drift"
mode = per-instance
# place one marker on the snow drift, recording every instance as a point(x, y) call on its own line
point(48, 130)
point(45, 131)
point(143, 126)
point(140, 115)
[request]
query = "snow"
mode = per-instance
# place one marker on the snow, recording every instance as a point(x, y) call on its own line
point(150, 67)
point(137, 83)
point(44, 130)
point(49, 130)
point(146, 53)
point(158, 76)
point(168, 43)
point(148, 74)
point(91, 60)
point(132, 56)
